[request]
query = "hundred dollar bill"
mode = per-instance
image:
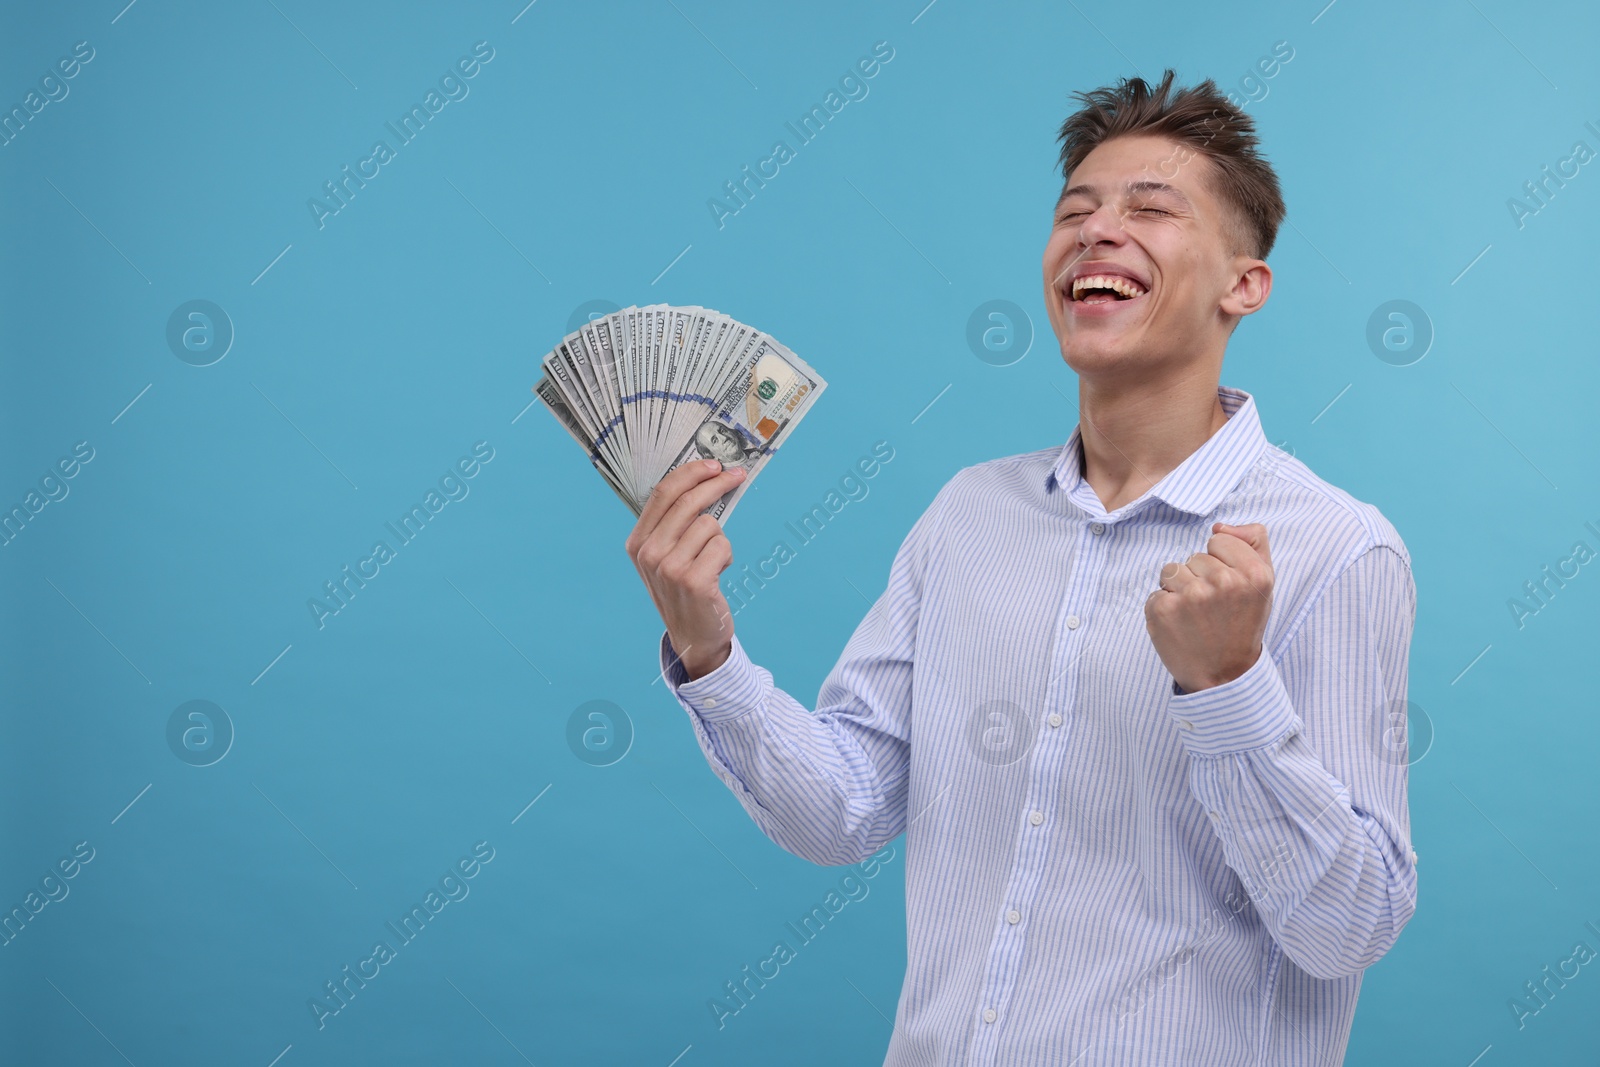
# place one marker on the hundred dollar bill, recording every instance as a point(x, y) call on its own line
point(752, 418)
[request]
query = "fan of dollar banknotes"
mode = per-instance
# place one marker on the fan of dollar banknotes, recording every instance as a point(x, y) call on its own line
point(645, 389)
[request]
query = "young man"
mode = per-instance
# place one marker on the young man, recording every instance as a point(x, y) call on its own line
point(1150, 765)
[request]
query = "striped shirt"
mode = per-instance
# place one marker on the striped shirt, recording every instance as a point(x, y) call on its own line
point(1101, 869)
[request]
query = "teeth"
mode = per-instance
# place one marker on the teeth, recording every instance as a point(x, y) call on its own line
point(1122, 285)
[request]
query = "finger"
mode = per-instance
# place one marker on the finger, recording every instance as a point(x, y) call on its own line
point(1175, 577)
point(1254, 534)
point(689, 506)
point(1238, 555)
point(1235, 552)
point(665, 494)
point(680, 560)
point(713, 559)
point(1205, 566)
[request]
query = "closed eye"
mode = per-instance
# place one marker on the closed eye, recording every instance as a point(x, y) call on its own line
point(1145, 210)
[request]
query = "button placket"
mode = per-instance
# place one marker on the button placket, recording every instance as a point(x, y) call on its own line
point(1044, 781)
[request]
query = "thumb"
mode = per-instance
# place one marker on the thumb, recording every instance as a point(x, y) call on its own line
point(1253, 534)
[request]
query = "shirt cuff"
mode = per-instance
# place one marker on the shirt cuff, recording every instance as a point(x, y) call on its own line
point(733, 689)
point(1251, 711)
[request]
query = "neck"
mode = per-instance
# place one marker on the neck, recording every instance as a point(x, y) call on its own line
point(1135, 434)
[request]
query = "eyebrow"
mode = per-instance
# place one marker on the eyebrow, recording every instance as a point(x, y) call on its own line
point(1131, 187)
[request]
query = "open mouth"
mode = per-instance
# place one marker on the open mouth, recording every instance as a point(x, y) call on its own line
point(1104, 289)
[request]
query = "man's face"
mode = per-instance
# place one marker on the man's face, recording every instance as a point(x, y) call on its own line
point(724, 445)
point(1142, 207)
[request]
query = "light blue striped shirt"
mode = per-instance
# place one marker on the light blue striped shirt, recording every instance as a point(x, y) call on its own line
point(1100, 870)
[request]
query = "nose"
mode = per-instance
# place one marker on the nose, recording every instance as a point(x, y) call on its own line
point(1102, 224)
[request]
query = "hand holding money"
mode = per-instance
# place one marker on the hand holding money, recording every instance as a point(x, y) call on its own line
point(680, 553)
point(679, 408)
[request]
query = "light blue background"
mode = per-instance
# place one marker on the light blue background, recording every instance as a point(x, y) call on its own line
point(430, 712)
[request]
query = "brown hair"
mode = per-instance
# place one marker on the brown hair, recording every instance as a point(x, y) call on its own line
point(1200, 117)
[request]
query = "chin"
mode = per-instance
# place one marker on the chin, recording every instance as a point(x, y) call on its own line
point(1094, 359)
point(1090, 350)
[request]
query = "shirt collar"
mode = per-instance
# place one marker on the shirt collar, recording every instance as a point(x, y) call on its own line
point(1199, 483)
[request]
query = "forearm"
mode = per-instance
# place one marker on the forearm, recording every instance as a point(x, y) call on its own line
point(826, 786)
point(1305, 790)
point(1334, 886)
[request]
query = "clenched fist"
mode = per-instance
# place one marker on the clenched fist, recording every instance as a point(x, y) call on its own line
point(1209, 616)
point(680, 553)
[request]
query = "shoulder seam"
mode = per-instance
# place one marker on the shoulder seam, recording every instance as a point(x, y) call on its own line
point(1378, 528)
point(1315, 599)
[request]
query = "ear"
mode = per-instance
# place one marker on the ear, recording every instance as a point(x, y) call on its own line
point(1252, 285)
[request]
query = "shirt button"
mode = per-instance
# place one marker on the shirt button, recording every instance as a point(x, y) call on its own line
point(1186, 724)
point(1054, 720)
point(1213, 815)
point(1037, 817)
point(1072, 622)
point(1413, 855)
point(710, 702)
point(1013, 916)
point(1097, 528)
point(988, 1015)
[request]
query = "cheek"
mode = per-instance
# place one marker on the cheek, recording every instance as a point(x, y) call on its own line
point(1057, 255)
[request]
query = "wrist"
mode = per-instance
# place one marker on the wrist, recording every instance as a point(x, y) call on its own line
point(1221, 675)
point(696, 665)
